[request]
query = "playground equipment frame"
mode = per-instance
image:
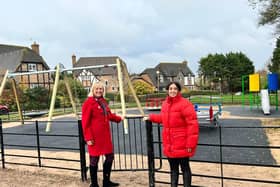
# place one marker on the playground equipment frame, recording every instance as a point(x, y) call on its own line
point(121, 70)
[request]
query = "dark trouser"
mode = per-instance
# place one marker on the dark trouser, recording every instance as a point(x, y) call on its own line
point(107, 167)
point(94, 167)
point(185, 167)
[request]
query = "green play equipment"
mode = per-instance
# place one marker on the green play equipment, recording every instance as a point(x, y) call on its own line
point(254, 88)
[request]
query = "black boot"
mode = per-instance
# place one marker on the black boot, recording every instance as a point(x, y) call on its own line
point(107, 167)
point(93, 176)
point(174, 178)
point(187, 178)
point(187, 174)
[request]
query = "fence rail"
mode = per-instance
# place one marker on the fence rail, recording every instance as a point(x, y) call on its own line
point(33, 145)
point(139, 150)
point(157, 161)
point(130, 149)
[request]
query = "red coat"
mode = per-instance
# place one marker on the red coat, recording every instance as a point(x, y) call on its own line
point(96, 126)
point(180, 127)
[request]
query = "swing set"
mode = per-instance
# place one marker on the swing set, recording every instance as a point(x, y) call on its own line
point(122, 74)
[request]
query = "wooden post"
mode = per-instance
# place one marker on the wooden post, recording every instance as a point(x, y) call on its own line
point(53, 98)
point(4, 82)
point(71, 96)
point(132, 89)
point(17, 101)
point(120, 78)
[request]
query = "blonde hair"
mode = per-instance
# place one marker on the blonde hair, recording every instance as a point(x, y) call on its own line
point(95, 85)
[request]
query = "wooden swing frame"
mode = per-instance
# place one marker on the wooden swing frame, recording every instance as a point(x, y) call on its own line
point(121, 70)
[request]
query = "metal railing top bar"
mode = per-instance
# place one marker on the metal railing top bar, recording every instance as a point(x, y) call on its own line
point(24, 146)
point(231, 145)
point(249, 127)
point(61, 159)
point(232, 126)
point(32, 134)
point(41, 121)
point(60, 148)
point(22, 164)
point(220, 177)
point(240, 146)
point(43, 166)
point(226, 163)
point(22, 156)
point(42, 147)
point(42, 157)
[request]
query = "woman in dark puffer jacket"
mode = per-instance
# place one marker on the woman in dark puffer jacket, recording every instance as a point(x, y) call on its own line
point(180, 132)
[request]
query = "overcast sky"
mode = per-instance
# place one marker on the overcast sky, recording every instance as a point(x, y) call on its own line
point(141, 32)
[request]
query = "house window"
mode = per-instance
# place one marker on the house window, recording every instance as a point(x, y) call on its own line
point(161, 78)
point(86, 77)
point(106, 83)
point(34, 86)
point(113, 88)
point(32, 67)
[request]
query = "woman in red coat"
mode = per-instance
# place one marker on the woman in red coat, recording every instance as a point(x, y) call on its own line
point(96, 116)
point(180, 132)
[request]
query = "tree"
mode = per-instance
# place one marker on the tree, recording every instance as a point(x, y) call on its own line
point(225, 70)
point(274, 66)
point(36, 98)
point(212, 69)
point(8, 97)
point(269, 12)
point(77, 90)
point(238, 64)
point(142, 88)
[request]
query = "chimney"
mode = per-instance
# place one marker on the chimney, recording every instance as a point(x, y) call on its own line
point(73, 60)
point(35, 47)
point(185, 63)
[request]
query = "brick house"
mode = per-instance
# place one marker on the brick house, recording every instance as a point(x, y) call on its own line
point(24, 59)
point(107, 75)
point(165, 72)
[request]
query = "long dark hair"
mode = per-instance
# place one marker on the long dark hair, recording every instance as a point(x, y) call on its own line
point(177, 85)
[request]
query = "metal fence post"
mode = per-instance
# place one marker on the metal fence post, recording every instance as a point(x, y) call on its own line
point(221, 156)
point(150, 149)
point(38, 143)
point(82, 152)
point(2, 145)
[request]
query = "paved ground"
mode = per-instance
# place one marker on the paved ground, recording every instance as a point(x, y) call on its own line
point(137, 137)
point(246, 111)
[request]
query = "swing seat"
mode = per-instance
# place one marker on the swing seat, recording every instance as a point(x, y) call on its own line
point(35, 114)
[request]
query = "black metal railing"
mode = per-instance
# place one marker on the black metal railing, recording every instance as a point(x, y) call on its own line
point(133, 150)
point(2, 145)
point(222, 150)
point(130, 148)
point(22, 138)
point(130, 145)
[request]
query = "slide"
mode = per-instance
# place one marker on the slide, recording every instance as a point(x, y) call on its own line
point(265, 102)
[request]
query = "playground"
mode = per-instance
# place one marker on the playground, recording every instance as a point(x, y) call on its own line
point(244, 122)
point(231, 116)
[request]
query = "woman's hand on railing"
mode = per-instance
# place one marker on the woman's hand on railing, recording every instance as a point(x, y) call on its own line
point(145, 118)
